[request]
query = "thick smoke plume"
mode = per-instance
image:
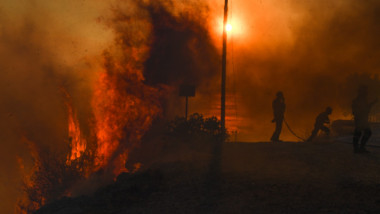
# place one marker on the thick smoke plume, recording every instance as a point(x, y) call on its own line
point(182, 50)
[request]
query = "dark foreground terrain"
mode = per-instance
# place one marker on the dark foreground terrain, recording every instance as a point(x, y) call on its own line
point(254, 178)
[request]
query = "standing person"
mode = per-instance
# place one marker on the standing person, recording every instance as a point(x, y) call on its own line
point(361, 108)
point(322, 118)
point(278, 106)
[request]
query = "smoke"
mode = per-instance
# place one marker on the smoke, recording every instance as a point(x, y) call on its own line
point(173, 43)
point(182, 49)
point(316, 53)
point(113, 93)
point(39, 55)
point(27, 100)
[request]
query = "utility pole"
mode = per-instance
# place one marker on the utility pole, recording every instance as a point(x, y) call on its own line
point(224, 66)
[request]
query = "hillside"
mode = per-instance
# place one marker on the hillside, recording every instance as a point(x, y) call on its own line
point(324, 177)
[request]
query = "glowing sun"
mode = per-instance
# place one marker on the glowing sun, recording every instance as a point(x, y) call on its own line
point(228, 27)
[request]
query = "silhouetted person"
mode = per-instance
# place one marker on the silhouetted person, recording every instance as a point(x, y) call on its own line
point(360, 109)
point(322, 119)
point(278, 106)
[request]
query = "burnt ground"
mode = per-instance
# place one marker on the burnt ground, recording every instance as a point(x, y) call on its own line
point(324, 177)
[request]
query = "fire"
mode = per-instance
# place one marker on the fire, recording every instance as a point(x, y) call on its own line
point(137, 167)
point(26, 204)
point(109, 110)
point(76, 141)
point(120, 164)
point(108, 116)
point(124, 108)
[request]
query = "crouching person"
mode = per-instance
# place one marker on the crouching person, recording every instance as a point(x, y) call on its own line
point(322, 119)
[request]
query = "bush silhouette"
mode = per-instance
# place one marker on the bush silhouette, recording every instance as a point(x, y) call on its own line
point(197, 128)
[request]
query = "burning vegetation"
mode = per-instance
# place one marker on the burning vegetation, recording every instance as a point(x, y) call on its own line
point(124, 104)
point(76, 142)
point(123, 109)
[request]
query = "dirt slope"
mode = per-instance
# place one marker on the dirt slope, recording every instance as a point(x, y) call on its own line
point(254, 178)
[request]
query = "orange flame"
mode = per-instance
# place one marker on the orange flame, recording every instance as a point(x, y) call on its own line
point(123, 109)
point(25, 205)
point(120, 164)
point(110, 110)
point(77, 142)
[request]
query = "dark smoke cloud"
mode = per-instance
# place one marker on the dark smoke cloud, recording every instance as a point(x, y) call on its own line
point(180, 45)
point(180, 49)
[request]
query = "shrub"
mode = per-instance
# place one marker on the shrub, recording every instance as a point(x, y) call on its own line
point(197, 128)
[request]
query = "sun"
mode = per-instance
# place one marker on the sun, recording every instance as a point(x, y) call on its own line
point(233, 26)
point(228, 27)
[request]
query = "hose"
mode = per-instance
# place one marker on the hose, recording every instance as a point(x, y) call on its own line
point(291, 131)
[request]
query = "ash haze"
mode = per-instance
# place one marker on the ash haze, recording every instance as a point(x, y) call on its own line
point(316, 52)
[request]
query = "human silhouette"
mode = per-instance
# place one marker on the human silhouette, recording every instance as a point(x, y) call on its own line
point(278, 106)
point(361, 108)
point(320, 121)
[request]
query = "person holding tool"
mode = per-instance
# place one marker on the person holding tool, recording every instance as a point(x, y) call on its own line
point(278, 106)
